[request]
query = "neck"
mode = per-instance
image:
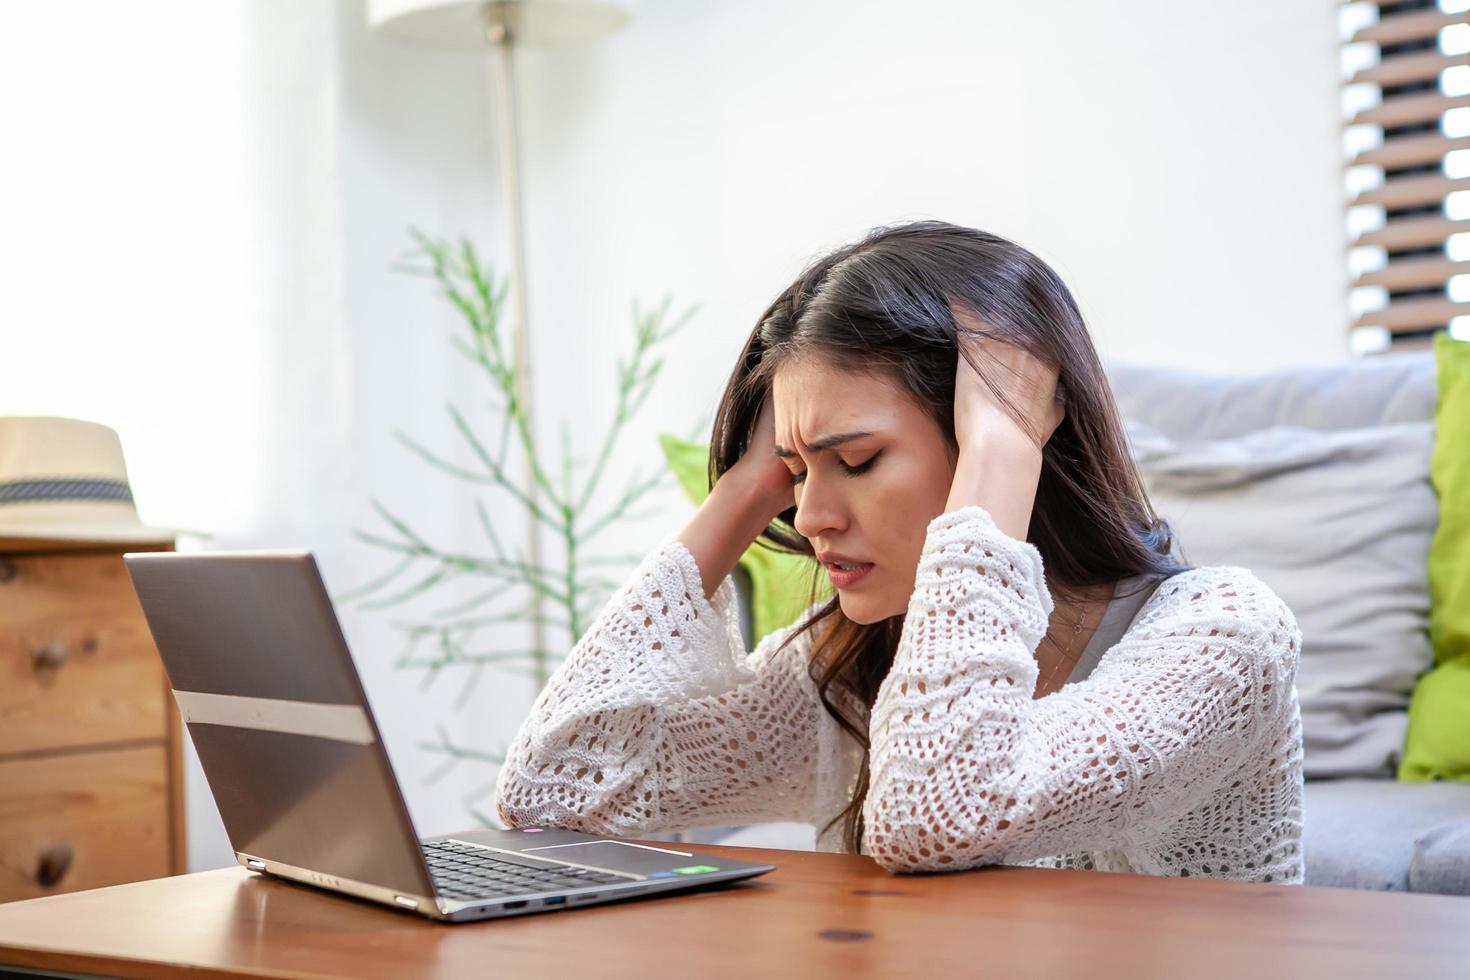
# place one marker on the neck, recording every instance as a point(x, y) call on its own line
point(1072, 609)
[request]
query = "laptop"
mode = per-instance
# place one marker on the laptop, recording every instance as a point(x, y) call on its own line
point(278, 716)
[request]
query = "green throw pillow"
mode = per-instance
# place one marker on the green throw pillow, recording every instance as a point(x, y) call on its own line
point(1438, 742)
point(780, 583)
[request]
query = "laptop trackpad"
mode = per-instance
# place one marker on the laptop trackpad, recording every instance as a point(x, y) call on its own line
point(616, 856)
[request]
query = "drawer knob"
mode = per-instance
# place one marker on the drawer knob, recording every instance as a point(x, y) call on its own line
point(53, 865)
point(48, 657)
point(7, 570)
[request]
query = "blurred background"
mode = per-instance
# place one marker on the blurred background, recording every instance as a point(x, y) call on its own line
point(203, 206)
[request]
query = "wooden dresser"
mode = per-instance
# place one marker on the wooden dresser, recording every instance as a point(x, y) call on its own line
point(91, 778)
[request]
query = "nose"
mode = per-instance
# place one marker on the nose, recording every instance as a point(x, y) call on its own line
point(819, 507)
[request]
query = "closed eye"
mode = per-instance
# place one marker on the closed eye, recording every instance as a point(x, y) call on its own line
point(857, 470)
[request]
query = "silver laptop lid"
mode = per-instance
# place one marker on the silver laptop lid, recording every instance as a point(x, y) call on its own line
point(277, 712)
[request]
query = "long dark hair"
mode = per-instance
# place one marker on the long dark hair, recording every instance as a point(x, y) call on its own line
point(886, 303)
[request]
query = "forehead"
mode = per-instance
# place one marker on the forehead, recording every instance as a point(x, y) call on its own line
point(812, 398)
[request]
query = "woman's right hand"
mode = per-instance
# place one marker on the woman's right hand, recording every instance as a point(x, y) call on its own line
point(760, 471)
point(744, 501)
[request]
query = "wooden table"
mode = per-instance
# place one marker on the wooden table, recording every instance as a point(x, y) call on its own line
point(816, 915)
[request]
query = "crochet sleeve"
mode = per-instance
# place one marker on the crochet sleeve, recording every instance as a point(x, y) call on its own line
point(967, 768)
point(658, 720)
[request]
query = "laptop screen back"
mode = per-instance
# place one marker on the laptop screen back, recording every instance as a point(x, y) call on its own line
point(278, 715)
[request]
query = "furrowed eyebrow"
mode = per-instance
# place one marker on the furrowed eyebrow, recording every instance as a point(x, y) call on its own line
point(817, 445)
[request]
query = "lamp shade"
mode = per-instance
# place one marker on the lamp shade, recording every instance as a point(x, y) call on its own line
point(461, 23)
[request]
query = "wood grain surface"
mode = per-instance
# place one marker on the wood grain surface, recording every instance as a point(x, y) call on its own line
point(77, 662)
point(91, 778)
point(97, 818)
point(817, 915)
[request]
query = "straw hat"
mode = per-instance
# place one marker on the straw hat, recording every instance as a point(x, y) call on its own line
point(64, 480)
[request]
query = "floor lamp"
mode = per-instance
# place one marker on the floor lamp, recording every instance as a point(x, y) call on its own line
point(504, 26)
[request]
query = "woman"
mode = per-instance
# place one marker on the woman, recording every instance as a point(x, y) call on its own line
point(1014, 668)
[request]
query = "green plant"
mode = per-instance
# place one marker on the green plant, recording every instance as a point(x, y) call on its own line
point(572, 582)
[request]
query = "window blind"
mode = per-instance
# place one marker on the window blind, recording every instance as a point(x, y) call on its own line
point(1406, 112)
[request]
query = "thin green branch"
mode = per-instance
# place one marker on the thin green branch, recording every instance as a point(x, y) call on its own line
point(472, 659)
point(382, 581)
point(504, 570)
point(418, 628)
point(428, 582)
point(489, 530)
point(633, 494)
point(462, 634)
point(455, 754)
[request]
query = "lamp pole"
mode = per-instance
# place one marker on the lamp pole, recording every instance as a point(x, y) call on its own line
point(507, 25)
point(500, 31)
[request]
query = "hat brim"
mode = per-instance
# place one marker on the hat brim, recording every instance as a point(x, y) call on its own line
point(126, 534)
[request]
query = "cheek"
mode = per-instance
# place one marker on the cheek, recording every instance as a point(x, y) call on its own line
point(900, 509)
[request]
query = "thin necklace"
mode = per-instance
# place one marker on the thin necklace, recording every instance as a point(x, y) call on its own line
point(1066, 660)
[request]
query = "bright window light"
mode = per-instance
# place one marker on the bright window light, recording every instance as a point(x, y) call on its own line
point(1366, 258)
point(1457, 205)
point(1353, 58)
point(1356, 139)
point(1365, 218)
point(1368, 340)
point(1356, 98)
point(1456, 122)
point(1455, 81)
point(1455, 39)
point(133, 238)
point(1366, 299)
point(1353, 17)
point(1356, 180)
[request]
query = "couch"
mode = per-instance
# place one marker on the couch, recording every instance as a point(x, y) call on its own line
point(1316, 479)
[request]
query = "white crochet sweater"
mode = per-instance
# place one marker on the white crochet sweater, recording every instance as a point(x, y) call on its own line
point(1181, 754)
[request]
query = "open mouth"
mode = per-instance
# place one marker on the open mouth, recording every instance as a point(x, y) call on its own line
point(845, 575)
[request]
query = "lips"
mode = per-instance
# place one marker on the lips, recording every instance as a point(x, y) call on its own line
point(830, 558)
point(844, 578)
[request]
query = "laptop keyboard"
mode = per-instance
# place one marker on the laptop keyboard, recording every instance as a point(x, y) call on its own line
point(463, 872)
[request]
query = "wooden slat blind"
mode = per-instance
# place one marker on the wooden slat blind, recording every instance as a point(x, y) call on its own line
point(1408, 104)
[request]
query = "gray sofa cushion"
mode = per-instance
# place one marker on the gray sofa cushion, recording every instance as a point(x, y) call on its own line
point(783, 836)
point(1195, 405)
point(1338, 524)
point(1191, 407)
point(1386, 835)
point(1441, 861)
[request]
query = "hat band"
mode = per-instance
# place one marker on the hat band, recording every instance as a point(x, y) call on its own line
point(28, 491)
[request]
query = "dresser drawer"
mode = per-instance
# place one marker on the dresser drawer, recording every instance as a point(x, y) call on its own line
point(77, 663)
point(83, 820)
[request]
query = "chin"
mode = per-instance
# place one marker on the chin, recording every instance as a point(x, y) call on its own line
point(863, 610)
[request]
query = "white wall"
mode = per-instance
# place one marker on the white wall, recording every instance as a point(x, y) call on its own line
point(203, 203)
point(1179, 164)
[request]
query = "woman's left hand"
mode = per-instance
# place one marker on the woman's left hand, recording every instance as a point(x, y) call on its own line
point(1028, 383)
point(999, 463)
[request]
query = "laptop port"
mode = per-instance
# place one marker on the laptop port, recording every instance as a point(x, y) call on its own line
point(558, 900)
point(515, 905)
